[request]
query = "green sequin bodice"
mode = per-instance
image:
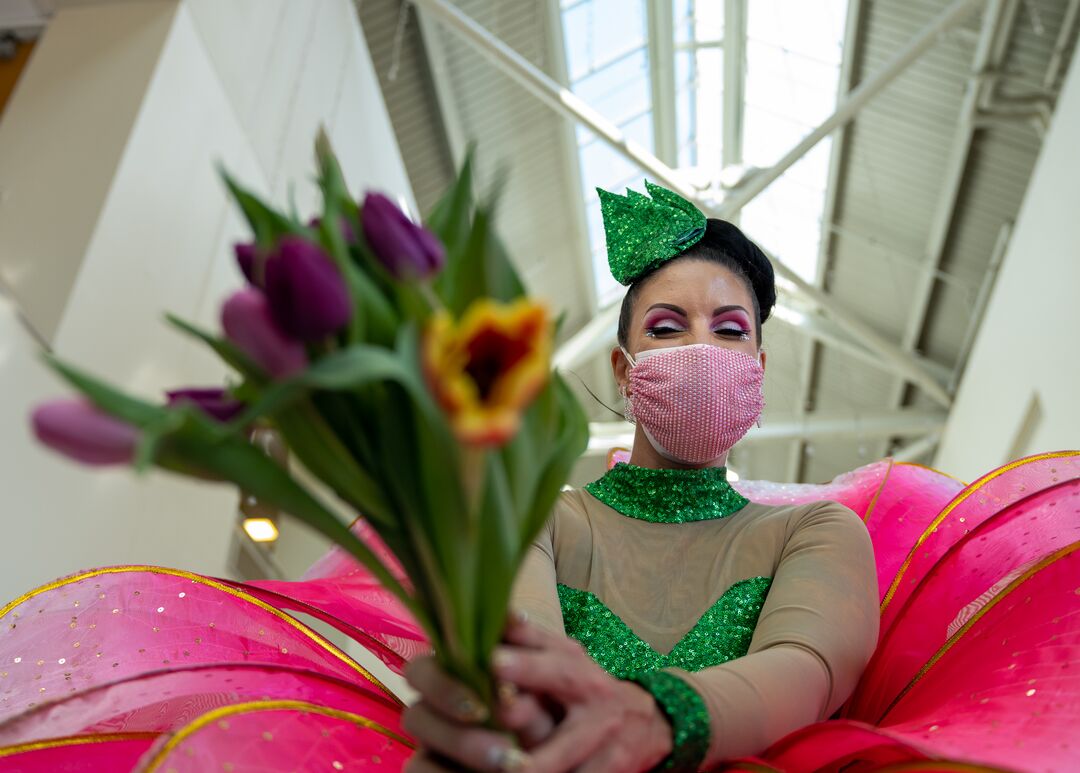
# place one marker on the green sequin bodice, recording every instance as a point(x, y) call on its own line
point(723, 633)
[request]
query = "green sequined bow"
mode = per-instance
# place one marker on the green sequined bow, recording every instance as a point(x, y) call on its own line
point(642, 232)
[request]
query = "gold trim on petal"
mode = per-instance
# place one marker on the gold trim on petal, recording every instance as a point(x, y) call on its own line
point(72, 740)
point(276, 705)
point(935, 469)
point(236, 592)
point(880, 488)
point(933, 766)
point(960, 497)
point(952, 640)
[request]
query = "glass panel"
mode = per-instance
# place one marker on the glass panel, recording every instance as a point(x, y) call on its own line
point(709, 110)
point(600, 31)
point(792, 66)
point(619, 90)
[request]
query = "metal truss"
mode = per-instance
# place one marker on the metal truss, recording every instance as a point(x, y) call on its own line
point(908, 422)
point(561, 99)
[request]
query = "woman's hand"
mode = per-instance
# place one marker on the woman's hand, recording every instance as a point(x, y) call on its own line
point(605, 724)
point(446, 722)
point(566, 711)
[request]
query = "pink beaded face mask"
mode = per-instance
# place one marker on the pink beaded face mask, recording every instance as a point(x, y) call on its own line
point(694, 402)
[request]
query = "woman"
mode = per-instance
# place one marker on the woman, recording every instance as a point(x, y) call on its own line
point(707, 626)
point(663, 620)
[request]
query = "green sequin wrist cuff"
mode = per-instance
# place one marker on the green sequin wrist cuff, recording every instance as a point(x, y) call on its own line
point(689, 718)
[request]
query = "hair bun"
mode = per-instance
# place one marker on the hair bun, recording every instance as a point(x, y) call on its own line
point(726, 237)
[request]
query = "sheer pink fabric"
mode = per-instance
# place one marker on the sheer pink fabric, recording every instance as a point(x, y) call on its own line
point(978, 663)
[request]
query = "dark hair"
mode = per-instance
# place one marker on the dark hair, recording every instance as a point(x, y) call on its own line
point(725, 244)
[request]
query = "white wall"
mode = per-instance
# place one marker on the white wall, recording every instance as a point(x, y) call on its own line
point(1027, 351)
point(111, 213)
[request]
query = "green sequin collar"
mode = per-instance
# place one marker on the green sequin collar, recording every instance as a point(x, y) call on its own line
point(668, 496)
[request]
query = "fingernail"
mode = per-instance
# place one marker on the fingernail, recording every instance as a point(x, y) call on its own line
point(519, 616)
point(509, 759)
point(471, 710)
point(507, 691)
point(503, 659)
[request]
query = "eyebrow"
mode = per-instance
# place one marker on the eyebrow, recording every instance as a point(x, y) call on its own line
point(680, 310)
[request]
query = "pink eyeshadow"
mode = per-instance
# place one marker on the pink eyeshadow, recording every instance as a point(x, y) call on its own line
point(652, 320)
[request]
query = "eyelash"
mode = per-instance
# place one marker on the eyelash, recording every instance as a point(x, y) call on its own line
point(652, 332)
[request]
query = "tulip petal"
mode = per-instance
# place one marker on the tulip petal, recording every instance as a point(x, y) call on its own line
point(247, 322)
point(246, 255)
point(487, 368)
point(215, 402)
point(307, 294)
point(80, 431)
point(407, 250)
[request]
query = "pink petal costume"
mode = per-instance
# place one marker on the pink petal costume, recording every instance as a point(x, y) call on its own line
point(977, 665)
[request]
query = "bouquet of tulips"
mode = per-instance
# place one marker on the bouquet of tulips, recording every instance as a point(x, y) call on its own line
point(405, 369)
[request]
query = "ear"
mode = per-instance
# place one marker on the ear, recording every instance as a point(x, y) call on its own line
point(761, 354)
point(620, 369)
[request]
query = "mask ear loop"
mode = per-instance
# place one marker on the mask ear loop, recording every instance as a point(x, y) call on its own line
point(627, 413)
point(759, 363)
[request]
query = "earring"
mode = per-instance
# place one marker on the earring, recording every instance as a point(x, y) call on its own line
point(627, 413)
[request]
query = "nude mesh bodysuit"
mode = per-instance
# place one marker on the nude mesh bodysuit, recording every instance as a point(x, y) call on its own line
point(817, 626)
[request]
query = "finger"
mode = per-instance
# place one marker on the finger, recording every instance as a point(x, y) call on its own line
point(614, 758)
point(443, 693)
point(472, 747)
point(523, 715)
point(525, 634)
point(573, 743)
point(560, 672)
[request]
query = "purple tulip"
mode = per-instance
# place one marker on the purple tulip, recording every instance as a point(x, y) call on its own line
point(80, 431)
point(308, 296)
point(248, 323)
point(213, 401)
point(407, 250)
point(246, 256)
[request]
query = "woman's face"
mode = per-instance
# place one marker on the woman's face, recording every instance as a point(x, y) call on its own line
point(690, 302)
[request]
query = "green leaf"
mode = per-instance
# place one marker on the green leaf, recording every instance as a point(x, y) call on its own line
point(266, 223)
point(449, 218)
point(134, 411)
point(238, 461)
point(320, 450)
point(224, 348)
point(499, 551)
point(344, 370)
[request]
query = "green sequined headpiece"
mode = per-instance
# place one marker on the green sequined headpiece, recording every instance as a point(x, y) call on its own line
point(641, 232)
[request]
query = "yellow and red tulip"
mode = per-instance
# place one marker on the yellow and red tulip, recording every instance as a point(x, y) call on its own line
point(485, 368)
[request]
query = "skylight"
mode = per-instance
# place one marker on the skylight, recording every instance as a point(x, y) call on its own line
point(790, 78)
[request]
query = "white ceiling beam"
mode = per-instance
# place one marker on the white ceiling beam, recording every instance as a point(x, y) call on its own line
point(598, 335)
point(731, 145)
point(567, 103)
point(997, 21)
point(661, 45)
point(847, 108)
point(809, 350)
point(908, 422)
point(917, 448)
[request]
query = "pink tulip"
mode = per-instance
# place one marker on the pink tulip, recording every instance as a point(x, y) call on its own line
point(248, 323)
point(79, 430)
